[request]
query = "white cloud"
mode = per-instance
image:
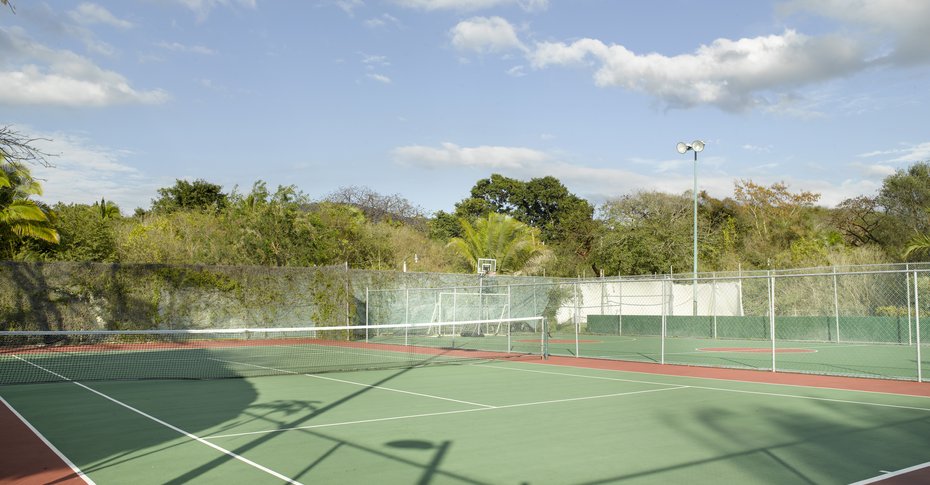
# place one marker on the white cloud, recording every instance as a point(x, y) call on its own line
point(373, 60)
point(91, 13)
point(904, 22)
point(485, 35)
point(733, 75)
point(349, 6)
point(193, 49)
point(202, 8)
point(381, 78)
point(33, 74)
point(452, 155)
point(598, 183)
point(516, 71)
point(84, 172)
point(874, 170)
point(907, 153)
point(383, 21)
point(472, 5)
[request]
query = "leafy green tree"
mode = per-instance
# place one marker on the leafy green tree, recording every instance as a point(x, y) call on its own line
point(919, 246)
point(512, 243)
point(107, 209)
point(905, 198)
point(646, 232)
point(20, 216)
point(85, 235)
point(183, 195)
point(444, 226)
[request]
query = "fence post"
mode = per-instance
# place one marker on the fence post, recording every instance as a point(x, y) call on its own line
point(620, 306)
point(836, 306)
point(347, 294)
point(772, 316)
point(662, 330)
point(917, 327)
point(739, 276)
point(366, 314)
point(713, 301)
point(577, 322)
point(907, 284)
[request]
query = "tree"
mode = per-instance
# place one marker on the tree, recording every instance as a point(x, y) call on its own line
point(860, 220)
point(85, 235)
point(107, 209)
point(774, 207)
point(919, 246)
point(646, 232)
point(21, 217)
point(512, 243)
point(197, 195)
point(377, 207)
point(19, 149)
point(565, 221)
point(905, 198)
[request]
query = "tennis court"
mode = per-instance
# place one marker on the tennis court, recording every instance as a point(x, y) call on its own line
point(888, 361)
point(484, 417)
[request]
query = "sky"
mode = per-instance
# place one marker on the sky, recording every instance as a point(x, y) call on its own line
point(422, 98)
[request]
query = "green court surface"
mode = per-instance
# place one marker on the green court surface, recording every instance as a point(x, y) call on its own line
point(859, 359)
point(474, 423)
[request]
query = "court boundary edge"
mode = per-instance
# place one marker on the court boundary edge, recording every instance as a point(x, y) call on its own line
point(907, 388)
point(29, 458)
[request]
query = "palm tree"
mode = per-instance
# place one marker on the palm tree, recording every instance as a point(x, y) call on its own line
point(919, 245)
point(19, 215)
point(107, 209)
point(501, 237)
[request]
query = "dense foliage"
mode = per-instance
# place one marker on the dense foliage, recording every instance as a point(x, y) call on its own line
point(532, 227)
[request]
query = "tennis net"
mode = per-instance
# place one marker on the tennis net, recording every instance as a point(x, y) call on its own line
point(40, 356)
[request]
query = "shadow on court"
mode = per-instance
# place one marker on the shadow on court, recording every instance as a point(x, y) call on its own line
point(304, 418)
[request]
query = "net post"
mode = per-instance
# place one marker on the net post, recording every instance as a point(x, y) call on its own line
point(917, 327)
point(544, 337)
point(509, 346)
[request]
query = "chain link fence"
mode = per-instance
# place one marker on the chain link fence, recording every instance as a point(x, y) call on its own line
point(866, 321)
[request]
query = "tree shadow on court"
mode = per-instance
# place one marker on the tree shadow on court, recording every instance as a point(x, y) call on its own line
point(303, 418)
point(837, 442)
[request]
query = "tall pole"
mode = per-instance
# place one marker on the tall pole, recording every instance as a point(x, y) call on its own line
point(695, 270)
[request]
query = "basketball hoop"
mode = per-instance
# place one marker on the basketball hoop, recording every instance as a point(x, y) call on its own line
point(486, 267)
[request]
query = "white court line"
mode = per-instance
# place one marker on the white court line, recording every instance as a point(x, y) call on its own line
point(357, 383)
point(761, 393)
point(888, 475)
point(49, 444)
point(442, 413)
point(167, 425)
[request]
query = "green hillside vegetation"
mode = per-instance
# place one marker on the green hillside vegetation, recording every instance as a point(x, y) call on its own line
point(534, 227)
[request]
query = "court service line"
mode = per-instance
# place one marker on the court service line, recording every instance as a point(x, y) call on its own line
point(358, 384)
point(167, 425)
point(77, 471)
point(741, 391)
point(443, 413)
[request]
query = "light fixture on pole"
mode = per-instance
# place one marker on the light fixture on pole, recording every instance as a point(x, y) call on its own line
point(695, 146)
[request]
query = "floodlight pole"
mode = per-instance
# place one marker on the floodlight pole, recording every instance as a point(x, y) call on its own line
point(695, 146)
point(695, 259)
